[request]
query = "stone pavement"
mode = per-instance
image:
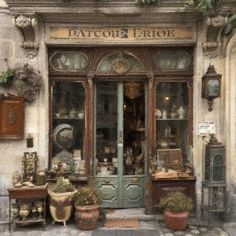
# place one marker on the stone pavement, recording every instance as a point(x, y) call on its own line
point(149, 226)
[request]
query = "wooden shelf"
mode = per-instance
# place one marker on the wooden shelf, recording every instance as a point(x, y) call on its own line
point(78, 178)
point(29, 221)
point(67, 118)
point(170, 119)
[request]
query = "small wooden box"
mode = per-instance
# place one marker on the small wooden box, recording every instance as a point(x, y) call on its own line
point(11, 117)
point(172, 158)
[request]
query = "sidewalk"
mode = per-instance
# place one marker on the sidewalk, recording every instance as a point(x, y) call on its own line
point(149, 226)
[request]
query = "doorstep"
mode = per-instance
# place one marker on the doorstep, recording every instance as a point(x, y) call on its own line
point(132, 213)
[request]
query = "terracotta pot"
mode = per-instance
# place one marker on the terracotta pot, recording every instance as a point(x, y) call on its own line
point(86, 217)
point(176, 220)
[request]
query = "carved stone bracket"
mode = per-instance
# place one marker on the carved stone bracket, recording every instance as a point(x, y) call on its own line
point(213, 45)
point(27, 26)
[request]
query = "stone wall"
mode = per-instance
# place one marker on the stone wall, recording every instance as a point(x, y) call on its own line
point(36, 122)
point(230, 124)
point(36, 114)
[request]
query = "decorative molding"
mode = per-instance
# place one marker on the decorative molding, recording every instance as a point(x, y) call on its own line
point(213, 45)
point(27, 26)
point(27, 82)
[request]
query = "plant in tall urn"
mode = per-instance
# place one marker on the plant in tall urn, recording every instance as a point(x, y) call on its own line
point(61, 200)
point(87, 201)
point(176, 206)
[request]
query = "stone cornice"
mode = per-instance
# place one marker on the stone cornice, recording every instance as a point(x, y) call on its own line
point(93, 8)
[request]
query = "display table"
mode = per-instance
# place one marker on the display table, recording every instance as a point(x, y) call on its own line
point(27, 205)
point(161, 187)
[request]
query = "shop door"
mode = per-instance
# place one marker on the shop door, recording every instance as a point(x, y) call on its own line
point(120, 148)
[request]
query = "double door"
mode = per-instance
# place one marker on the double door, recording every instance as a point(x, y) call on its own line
point(120, 146)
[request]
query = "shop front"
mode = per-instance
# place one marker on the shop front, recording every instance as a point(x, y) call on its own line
point(129, 113)
point(121, 104)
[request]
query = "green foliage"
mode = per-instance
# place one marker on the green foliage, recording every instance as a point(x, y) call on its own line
point(176, 202)
point(147, 2)
point(62, 186)
point(232, 20)
point(87, 196)
point(6, 78)
point(205, 7)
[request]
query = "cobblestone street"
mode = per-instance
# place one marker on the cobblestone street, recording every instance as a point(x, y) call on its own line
point(148, 227)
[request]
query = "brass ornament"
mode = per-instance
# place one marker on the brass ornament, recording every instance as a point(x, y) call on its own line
point(133, 90)
point(121, 65)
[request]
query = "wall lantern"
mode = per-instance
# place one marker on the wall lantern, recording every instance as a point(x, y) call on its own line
point(211, 86)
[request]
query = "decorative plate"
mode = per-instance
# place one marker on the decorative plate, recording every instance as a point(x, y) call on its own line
point(64, 136)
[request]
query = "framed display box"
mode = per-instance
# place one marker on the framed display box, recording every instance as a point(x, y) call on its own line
point(171, 158)
point(11, 117)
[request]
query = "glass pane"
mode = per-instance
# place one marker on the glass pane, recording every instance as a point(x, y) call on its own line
point(120, 63)
point(172, 124)
point(134, 128)
point(173, 61)
point(68, 129)
point(69, 61)
point(106, 129)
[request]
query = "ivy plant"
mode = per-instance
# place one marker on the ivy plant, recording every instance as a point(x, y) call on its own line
point(205, 7)
point(6, 78)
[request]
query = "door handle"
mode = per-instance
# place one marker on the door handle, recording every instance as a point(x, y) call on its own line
point(107, 181)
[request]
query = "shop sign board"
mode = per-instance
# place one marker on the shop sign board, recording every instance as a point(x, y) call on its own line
point(134, 34)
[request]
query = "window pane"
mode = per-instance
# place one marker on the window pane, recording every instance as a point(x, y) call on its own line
point(68, 128)
point(172, 124)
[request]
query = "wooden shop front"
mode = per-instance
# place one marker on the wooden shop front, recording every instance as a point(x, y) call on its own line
point(121, 112)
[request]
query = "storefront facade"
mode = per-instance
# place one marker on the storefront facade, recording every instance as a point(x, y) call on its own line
point(125, 82)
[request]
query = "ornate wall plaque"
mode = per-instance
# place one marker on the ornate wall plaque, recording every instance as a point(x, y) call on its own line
point(11, 117)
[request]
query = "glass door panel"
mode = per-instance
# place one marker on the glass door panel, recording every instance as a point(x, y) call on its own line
point(134, 128)
point(106, 129)
point(172, 132)
point(120, 143)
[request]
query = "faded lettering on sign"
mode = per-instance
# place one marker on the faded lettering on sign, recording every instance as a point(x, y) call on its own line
point(120, 33)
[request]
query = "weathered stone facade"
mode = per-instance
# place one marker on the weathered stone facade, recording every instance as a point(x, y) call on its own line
point(121, 13)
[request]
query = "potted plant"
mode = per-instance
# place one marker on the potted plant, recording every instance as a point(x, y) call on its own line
point(87, 201)
point(176, 208)
point(61, 200)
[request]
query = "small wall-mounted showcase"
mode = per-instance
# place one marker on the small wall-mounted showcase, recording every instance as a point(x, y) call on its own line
point(11, 117)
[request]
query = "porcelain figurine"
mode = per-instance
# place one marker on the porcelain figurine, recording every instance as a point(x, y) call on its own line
point(181, 112)
point(164, 114)
point(158, 114)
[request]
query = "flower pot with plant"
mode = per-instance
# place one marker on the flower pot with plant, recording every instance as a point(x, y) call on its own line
point(61, 200)
point(87, 201)
point(176, 206)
